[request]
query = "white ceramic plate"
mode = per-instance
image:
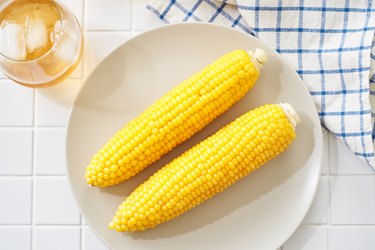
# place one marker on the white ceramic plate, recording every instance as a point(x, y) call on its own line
point(259, 212)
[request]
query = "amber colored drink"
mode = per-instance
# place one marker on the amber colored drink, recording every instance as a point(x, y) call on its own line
point(40, 42)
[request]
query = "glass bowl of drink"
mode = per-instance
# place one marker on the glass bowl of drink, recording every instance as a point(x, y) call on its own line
point(40, 41)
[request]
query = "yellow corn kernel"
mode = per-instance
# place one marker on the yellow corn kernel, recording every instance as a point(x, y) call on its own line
point(175, 117)
point(208, 168)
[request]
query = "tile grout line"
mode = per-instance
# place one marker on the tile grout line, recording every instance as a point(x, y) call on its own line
point(42, 225)
point(329, 162)
point(84, 15)
point(33, 177)
point(31, 127)
point(32, 238)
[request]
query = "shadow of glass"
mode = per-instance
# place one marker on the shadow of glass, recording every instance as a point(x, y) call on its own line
point(106, 83)
point(63, 93)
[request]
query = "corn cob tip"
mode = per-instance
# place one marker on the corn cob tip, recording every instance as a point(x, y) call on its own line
point(290, 113)
point(260, 57)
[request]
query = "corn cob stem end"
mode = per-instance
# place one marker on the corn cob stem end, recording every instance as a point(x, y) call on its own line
point(260, 57)
point(290, 113)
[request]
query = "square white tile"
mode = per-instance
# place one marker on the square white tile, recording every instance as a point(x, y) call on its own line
point(56, 238)
point(15, 196)
point(99, 45)
point(143, 18)
point(53, 202)
point(318, 213)
point(343, 161)
point(53, 104)
point(308, 238)
point(15, 238)
point(350, 238)
point(50, 151)
point(16, 150)
point(108, 15)
point(91, 242)
point(352, 200)
point(16, 104)
point(76, 6)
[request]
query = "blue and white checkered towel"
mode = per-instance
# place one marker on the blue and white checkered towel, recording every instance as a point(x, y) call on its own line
point(330, 43)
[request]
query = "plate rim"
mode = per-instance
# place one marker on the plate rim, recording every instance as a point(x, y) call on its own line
point(318, 139)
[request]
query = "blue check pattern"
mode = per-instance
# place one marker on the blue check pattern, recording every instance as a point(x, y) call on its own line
point(331, 44)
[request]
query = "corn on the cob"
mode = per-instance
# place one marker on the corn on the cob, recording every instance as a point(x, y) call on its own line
point(208, 168)
point(175, 117)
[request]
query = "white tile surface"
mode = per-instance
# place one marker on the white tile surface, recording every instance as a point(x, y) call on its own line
point(95, 51)
point(318, 213)
point(142, 18)
point(16, 149)
point(53, 203)
point(350, 164)
point(56, 238)
point(353, 200)
point(15, 197)
point(111, 23)
point(108, 15)
point(53, 104)
point(16, 104)
point(311, 238)
point(352, 238)
point(91, 242)
point(15, 238)
point(76, 6)
point(50, 151)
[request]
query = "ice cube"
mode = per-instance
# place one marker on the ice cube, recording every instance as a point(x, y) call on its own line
point(67, 47)
point(12, 41)
point(36, 34)
point(57, 31)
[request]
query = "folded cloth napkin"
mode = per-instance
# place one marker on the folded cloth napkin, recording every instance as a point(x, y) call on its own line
point(330, 43)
